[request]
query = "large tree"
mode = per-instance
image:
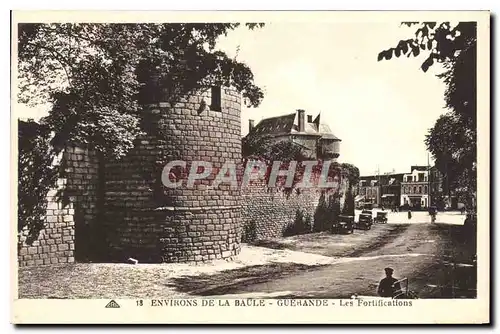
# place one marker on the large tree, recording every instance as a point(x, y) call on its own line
point(352, 174)
point(452, 140)
point(97, 75)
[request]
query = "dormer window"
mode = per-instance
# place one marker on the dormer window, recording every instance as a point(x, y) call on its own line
point(216, 98)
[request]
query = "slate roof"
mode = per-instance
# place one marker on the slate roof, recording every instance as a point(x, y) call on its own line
point(286, 124)
point(275, 125)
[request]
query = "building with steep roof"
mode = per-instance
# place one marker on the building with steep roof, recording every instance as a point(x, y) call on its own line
point(315, 138)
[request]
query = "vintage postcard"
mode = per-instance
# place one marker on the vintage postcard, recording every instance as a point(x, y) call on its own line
point(250, 167)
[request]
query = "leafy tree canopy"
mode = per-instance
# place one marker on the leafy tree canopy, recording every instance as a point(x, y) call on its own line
point(452, 140)
point(97, 75)
point(352, 173)
point(267, 149)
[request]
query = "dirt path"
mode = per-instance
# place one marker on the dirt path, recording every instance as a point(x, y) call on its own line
point(315, 265)
point(418, 253)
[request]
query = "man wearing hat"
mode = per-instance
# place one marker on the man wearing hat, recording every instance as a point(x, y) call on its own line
point(386, 287)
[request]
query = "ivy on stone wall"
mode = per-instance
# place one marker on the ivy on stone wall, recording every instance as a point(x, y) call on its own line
point(37, 174)
point(301, 225)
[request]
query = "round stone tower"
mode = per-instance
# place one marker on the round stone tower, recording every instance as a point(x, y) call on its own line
point(148, 221)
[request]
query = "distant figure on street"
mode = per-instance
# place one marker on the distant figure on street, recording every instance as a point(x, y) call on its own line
point(462, 210)
point(386, 287)
point(409, 214)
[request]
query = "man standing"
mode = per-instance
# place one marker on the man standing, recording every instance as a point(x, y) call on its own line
point(386, 287)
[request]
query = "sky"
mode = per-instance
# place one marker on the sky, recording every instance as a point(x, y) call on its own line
point(380, 110)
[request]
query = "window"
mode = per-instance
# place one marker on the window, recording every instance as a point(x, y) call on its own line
point(425, 189)
point(420, 177)
point(216, 99)
point(420, 189)
point(415, 189)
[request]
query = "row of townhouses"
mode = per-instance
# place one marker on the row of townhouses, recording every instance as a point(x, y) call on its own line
point(422, 187)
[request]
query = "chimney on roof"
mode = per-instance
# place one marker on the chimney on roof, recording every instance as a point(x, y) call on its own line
point(309, 118)
point(301, 113)
point(250, 125)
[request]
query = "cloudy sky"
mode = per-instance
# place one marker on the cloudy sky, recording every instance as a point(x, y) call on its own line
point(380, 110)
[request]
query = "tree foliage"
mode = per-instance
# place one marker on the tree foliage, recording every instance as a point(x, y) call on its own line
point(440, 42)
point(452, 140)
point(453, 146)
point(267, 149)
point(352, 173)
point(97, 75)
point(34, 182)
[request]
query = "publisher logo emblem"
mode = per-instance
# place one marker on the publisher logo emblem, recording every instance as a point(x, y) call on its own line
point(112, 304)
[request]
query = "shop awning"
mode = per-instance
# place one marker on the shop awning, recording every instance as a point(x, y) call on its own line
point(388, 195)
point(359, 198)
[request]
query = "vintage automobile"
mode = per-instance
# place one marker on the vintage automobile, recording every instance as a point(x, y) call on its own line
point(365, 221)
point(381, 217)
point(345, 224)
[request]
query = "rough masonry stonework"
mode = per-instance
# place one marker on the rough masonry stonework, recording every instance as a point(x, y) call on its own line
point(71, 212)
point(110, 210)
point(153, 223)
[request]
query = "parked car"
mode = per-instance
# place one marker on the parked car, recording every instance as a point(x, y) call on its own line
point(367, 212)
point(365, 221)
point(381, 217)
point(345, 224)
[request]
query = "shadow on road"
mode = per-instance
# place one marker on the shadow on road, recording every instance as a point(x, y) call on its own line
point(232, 281)
point(448, 272)
point(381, 241)
point(454, 274)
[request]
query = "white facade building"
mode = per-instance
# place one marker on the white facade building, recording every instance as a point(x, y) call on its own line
point(415, 188)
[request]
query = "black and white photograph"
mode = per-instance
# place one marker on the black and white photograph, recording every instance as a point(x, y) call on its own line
point(250, 162)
